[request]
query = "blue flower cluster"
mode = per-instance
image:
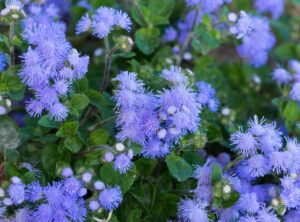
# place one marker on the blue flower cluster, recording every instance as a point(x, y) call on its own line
point(103, 22)
point(3, 61)
point(158, 121)
point(263, 152)
point(50, 65)
point(256, 45)
point(274, 7)
point(60, 201)
point(289, 77)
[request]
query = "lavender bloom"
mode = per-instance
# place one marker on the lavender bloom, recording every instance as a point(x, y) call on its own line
point(110, 198)
point(245, 143)
point(170, 34)
point(281, 76)
point(243, 27)
point(294, 65)
point(17, 193)
point(295, 92)
point(50, 68)
point(122, 163)
point(258, 43)
point(3, 62)
point(274, 7)
point(192, 210)
point(207, 96)
point(84, 24)
point(67, 172)
point(248, 202)
point(103, 22)
point(34, 192)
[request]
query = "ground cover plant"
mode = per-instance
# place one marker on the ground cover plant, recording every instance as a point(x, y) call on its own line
point(139, 110)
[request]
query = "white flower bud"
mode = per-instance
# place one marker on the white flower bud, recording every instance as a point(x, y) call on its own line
point(174, 131)
point(2, 110)
point(275, 202)
point(171, 110)
point(7, 201)
point(8, 103)
point(294, 176)
point(162, 133)
point(99, 185)
point(232, 17)
point(16, 180)
point(185, 109)
point(2, 192)
point(226, 189)
point(163, 116)
point(225, 111)
point(120, 147)
point(187, 56)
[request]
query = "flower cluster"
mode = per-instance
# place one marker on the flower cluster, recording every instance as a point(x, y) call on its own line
point(274, 7)
point(3, 61)
point(289, 77)
point(103, 22)
point(243, 26)
point(262, 152)
point(49, 67)
point(157, 122)
point(257, 44)
point(121, 157)
point(60, 201)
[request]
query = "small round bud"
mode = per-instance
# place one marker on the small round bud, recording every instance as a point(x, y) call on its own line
point(67, 172)
point(99, 185)
point(130, 153)
point(82, 192)
point(98, 52)
point(169, 61)
point(187, 56)
point(272, 192)
point(275, 202)
point(233, 30)
point(8, 103)
point(294, 176)
point(125, 43)
point(185, 109)
point(162, 133)
point(87, 177)
point(16, 180)
point(225, 111)
point(2, 192)
point(226, 189)
point(256, 79)
point(7, 201)
point(232, 17)
point(171, 110)
point(174, 131)
point(120, 147)
point(2, 110)
point(108, 157)
point(94, 205)
point(163, 116)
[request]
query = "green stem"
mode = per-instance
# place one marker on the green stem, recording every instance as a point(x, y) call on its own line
point(232, 163)
point(11, 46)
point(107, 65)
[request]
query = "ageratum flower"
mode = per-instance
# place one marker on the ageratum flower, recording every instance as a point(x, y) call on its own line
point(207, 96)
point(17, 193)
point(281, 76)
point(274, 7)
point(248, 202)
point(257, 44)
point(192, 210)
point(49, 67)
point(243, 26)
point(3, 61)
point(103, 22)
point(110, 198)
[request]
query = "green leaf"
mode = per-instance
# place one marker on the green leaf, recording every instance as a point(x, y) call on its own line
point(147, 39)
point(134, 215)
point(49, 158)
point(73, 144)
point(291, 112)
point(10, 81)
point(216, 174)
point(46, 121)
point(79, 101)
point(68, 129)
point(113, 177)
point(10, 136)
point(98, 137)
point(145, 166)
point(235, 196)
point(97, 99)
point(178, 167)
point(16, 41)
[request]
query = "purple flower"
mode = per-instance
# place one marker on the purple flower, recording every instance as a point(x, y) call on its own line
point(17, 193)
point(192, 210)
point(295, 91)
point(3, 61)
point(244, 142)
point(84, 24)
point(34, 192)
point(275, 7)
point(71, 185)
point(110, 198)
point(170, 34)
point(243, 27)
point(207, 96)
point(248, 202)
point(281, 76)
point(122, 163)
point(174, 75)
point(67, 172)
